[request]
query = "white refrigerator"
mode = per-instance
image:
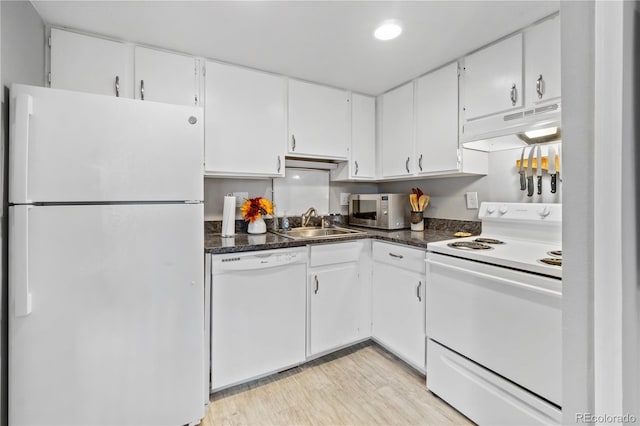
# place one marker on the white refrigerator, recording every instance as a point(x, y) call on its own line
point(106, 297)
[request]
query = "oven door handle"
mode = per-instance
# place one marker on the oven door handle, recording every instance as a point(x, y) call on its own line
point(505, 281)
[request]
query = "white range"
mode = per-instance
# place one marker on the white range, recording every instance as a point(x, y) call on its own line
point(494, 316)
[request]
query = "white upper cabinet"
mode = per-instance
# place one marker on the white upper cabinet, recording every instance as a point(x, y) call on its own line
point(245, 127)
point(165, 77)
point(542, 62)
point(363, 137)
point(397, 132)
point(89, 64)
point(319, 121)
point(493, 79)
point(437, 121)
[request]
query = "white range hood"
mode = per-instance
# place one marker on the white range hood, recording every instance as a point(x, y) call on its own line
point(500, 132)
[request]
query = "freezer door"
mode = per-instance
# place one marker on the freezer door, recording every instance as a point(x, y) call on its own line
point(115, 331)
point(78, 147)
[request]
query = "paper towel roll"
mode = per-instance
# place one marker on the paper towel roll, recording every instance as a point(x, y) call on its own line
point(229, 216)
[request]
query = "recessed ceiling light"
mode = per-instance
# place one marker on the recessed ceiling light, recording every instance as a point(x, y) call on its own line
point(388, 30)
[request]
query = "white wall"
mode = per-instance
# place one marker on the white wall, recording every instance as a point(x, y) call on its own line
point(22, 61)
point(216, 189)
point(448, 199)
point(630, 209)
point(578, 41)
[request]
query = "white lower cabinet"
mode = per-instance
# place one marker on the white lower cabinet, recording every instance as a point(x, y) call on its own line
point(335, 299)
point(333, 321)
point(398, 309)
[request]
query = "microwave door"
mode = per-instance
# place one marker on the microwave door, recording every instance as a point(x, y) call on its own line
point(365, 209)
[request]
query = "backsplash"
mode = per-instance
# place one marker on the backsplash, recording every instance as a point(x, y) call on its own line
point(216, 189)
point(474, 227)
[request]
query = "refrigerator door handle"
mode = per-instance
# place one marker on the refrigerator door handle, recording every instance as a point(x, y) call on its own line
point(20, 149)
point(18, 259)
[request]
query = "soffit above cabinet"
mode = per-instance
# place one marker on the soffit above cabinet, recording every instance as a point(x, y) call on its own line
point(324, 42)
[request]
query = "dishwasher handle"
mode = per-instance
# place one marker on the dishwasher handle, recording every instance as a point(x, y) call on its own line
point(255, 261)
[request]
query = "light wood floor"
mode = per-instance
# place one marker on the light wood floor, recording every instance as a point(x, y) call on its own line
point(361, 385)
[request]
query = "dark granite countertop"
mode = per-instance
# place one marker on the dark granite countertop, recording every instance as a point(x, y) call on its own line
point(216, 244)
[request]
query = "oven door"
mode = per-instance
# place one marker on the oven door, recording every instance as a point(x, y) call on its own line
point(505, 320)
point(364, 210)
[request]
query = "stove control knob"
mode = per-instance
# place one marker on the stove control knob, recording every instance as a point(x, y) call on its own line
point(503, 209)
point(491, 209)
point(544, 212)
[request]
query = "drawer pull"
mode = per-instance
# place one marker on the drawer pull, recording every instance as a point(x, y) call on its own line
point(397, 256)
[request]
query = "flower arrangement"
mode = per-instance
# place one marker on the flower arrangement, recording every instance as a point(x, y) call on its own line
point(254, 208)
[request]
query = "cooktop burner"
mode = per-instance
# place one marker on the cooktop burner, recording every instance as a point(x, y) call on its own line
point(555, 253)
point(468, 245)
point(553, 261)
point(488, 241)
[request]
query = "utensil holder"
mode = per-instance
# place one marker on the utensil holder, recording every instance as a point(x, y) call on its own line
point(417, 221)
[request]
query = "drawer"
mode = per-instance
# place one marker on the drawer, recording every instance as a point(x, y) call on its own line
point(330, 254)
point(481, 395)
point(407, 258)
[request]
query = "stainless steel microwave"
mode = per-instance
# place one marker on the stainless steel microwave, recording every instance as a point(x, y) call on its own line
point(384, 211)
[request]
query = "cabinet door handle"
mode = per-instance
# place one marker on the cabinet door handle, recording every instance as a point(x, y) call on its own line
point(315, 277)
point(420, 162)
point(279, 164)
point(514, 95)
point(418, 291)
point(397, 256)
point(540, 86)
point(406, 164)
point(117, 86)
point(142, 90)
point(293, 142)
point(356, 172)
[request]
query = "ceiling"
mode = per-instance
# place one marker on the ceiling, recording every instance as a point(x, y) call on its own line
point(329, 42)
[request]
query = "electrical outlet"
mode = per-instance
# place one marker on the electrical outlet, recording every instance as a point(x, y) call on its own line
point(344, 198)
point(472, 200)
point(240, 197)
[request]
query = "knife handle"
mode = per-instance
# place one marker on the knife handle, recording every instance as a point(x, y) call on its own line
point(539, 185)
point(554, 178)
point(530, 186)
point(523, 182)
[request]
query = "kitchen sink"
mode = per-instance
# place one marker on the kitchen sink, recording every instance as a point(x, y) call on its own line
point(316, 232)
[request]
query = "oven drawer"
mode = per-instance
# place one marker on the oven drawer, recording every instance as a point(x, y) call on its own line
point(506, 320)
point(481, 395)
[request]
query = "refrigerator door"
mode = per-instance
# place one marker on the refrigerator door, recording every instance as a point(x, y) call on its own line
point(115, 331)
point(78, 147)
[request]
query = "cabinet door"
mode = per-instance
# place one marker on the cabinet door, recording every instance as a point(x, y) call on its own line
point(245, 128)
point(363, 137)
point(333, 318)
point(493, 79)
point(397, 132)
point(398, 312)
point(165, 77)
point(318, 120)
point(542, 62)
point(89, 64)
point(437, 121)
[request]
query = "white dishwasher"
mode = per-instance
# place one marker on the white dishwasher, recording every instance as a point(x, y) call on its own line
point(258, 304)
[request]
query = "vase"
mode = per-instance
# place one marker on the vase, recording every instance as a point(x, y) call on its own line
point(258, 226)
point(417, 221)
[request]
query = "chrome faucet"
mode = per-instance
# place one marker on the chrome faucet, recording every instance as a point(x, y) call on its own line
point(306, 216)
